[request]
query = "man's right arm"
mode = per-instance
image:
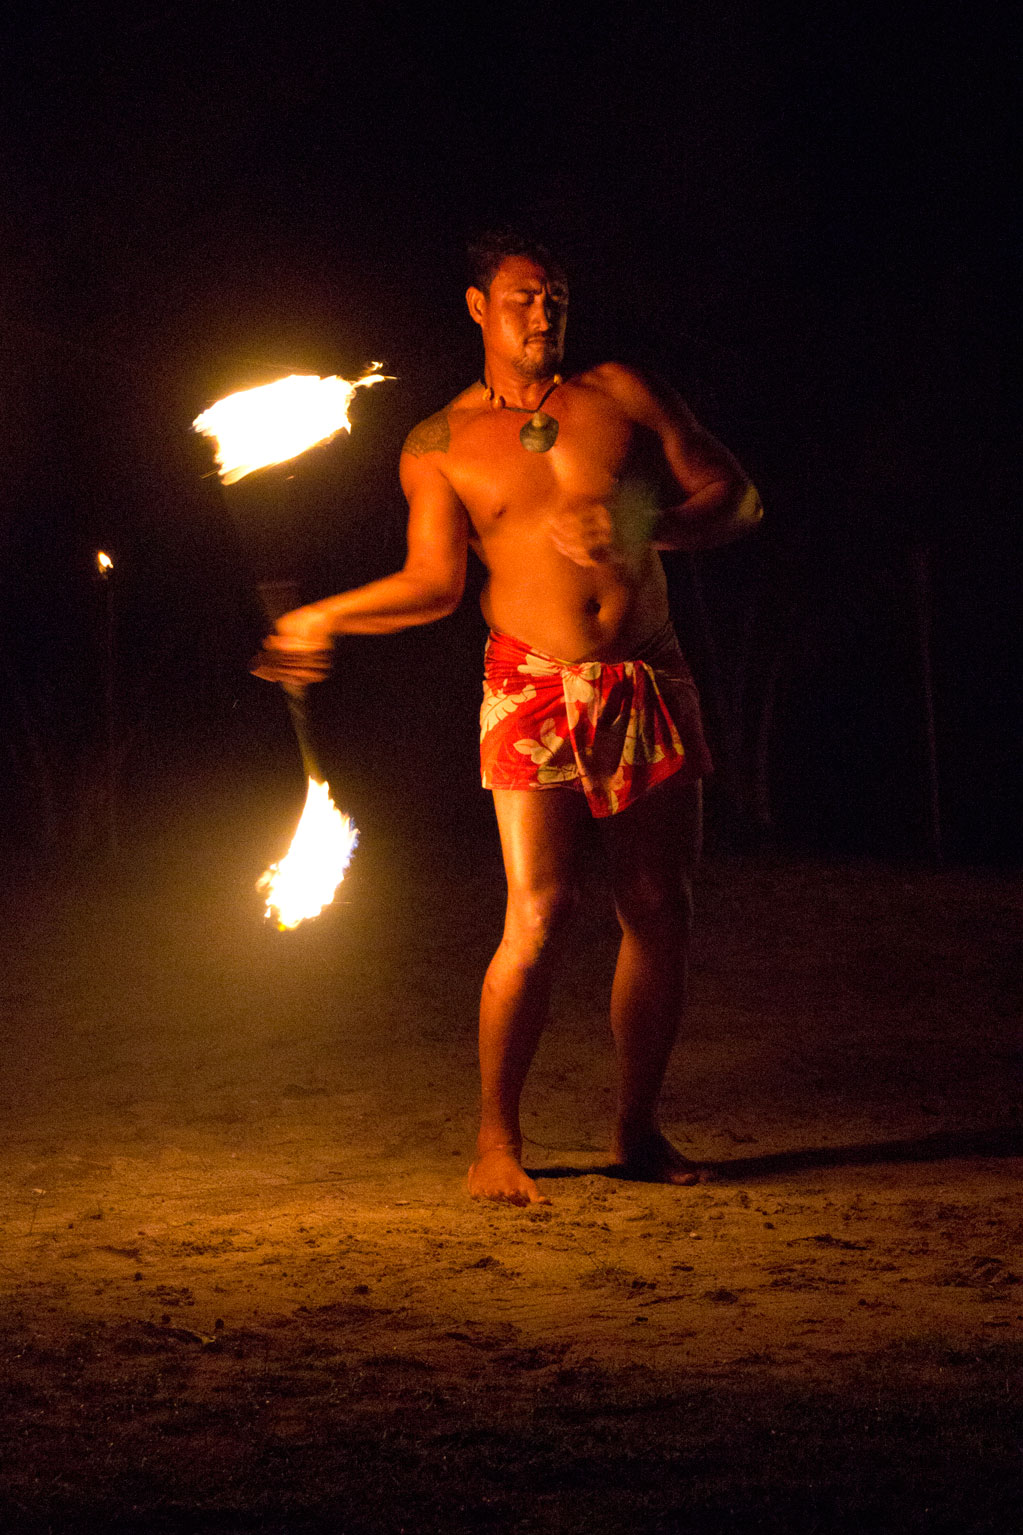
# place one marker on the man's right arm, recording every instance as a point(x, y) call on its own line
point(428, 586)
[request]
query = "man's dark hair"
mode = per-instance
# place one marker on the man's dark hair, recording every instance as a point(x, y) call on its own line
point(488, 250)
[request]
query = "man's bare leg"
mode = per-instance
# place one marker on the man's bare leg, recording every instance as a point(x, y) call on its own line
point(538, 841)
point(654, 847)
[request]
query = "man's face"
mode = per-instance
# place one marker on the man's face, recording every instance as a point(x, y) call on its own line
point(523, 317)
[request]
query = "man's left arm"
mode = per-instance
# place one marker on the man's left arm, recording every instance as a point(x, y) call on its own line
point(716, 500)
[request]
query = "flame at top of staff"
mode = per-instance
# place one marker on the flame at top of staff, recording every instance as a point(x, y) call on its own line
point(104, 564)
point(272, 423)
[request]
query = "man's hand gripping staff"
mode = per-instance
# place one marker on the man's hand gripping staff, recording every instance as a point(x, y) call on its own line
point(292, 660)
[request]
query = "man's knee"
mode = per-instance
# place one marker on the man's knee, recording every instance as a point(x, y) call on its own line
point(536, 919)
point(656, 909)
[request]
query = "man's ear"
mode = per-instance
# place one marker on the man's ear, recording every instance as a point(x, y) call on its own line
point(476, 300)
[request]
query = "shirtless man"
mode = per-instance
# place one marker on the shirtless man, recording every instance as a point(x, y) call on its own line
point(566, 489)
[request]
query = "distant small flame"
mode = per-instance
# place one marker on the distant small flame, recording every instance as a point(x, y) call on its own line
point(307, 877)
point(274, 422)
point(104, 564)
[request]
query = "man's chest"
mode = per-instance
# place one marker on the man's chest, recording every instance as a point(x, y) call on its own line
point(495, 475)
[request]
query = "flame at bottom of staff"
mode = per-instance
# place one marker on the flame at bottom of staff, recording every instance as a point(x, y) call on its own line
point(308, 876)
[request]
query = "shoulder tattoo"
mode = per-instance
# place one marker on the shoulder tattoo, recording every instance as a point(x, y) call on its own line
point(431, 436)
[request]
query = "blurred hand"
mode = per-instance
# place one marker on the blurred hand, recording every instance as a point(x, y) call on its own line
point(298, 652)
point(595, 533)
point(583, 534)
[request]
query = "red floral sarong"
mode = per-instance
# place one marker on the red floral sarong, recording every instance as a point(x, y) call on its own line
point(613, 730)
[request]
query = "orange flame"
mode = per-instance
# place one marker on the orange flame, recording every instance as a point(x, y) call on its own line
point(272, 423)
point(310, 873)
point(104, 564)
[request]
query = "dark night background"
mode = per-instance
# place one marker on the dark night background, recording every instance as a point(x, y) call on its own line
point(799, 215)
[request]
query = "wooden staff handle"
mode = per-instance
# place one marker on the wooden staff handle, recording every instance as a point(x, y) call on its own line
point(280, 597)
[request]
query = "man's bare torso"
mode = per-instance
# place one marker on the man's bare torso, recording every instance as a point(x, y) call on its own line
point(603, 610)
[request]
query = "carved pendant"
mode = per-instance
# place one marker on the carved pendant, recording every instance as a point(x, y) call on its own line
point(540, 433)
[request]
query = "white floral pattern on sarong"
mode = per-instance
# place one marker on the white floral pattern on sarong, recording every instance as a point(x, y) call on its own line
point(496, 706)
point(543, 754)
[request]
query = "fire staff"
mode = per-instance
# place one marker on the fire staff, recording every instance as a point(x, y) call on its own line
point(566, 488)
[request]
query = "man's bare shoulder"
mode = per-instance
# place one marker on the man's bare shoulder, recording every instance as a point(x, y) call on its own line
point(610, 376)
point(434, 434)
point(636, 393)
point(431, 436)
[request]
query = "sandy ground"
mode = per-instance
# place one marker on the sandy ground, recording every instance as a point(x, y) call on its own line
point(243, 1287)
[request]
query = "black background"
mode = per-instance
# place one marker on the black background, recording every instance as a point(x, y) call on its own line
point(800, 215)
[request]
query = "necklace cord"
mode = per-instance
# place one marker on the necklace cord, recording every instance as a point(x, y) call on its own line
point(526, 410)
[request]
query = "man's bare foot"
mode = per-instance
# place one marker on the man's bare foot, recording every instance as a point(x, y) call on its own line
point(653, 1159)
point(498, 1174)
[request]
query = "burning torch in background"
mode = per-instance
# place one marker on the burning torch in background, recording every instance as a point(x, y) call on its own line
point(255, 429)
point(104, 571)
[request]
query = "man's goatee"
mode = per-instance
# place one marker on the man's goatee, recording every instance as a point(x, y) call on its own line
point(537, 363)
